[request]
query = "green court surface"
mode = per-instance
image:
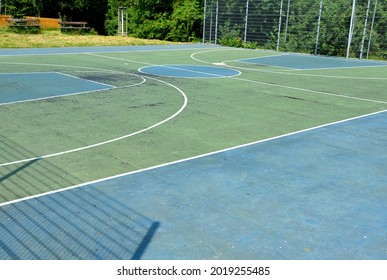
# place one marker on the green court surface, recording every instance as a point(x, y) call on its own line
point(108, 116)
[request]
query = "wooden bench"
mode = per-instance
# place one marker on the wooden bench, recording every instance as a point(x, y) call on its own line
point(26, 24)
point(70, 26)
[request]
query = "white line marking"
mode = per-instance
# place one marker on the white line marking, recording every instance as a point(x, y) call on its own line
point(294, 88)
point(52, 97)
point(83, 79)
point(110, 87)
point(120, 59)
point(193, 56)
point(312, 91)
point(304, 75)
point(115, 139)
point(189, 71)
point(165, 66)
point(224, 63)
point(266, 64)
point(80, 52)
point(191, 158)
point(345, 67)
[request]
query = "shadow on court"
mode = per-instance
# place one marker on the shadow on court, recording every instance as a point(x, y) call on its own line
point(81, 223)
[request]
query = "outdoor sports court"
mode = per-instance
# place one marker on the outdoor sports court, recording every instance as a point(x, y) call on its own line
point(191, 152)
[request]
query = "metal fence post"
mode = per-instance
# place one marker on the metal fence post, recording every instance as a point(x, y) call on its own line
point(279, 26)
point(211, 22)
point(318, 26)
point(287, 20)
point(204, 21)
point(216, 21)
point(351, 28)
point(365, 29)
point(372, 28)
point(246, 20)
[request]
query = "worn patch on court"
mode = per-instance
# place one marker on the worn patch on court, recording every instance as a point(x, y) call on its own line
point(31, 86)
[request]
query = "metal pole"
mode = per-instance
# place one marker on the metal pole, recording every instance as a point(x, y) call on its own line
point(211, 21)
point(351, 28)
point(287, 20)
point(279, 26)
point(119, 21)
point(318, 26)
point(246, 20)
point(216, 21)
point(365, 29)
point(122, 22)
point(0, 7)
point(204, 21)
point(372, 28)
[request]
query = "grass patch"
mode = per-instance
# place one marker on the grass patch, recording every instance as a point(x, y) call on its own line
point(56, 39)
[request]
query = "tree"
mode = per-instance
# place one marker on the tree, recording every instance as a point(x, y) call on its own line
point(21, 8)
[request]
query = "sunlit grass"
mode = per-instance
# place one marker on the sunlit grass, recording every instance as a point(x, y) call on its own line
point(54, 38)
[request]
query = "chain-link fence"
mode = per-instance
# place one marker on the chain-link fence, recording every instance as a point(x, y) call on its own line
point(327, 27)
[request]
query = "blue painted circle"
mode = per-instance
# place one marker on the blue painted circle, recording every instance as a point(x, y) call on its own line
point(188, 71)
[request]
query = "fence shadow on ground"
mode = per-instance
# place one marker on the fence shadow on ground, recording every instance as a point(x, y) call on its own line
point(80, 223)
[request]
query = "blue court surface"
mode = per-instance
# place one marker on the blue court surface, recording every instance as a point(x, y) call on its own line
point(32, 86)
point(309, 62)
point(189, 71)
point(316, 194)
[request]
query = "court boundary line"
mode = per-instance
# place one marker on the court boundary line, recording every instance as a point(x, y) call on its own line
point(178, 112)
point(380, 63)
point(164, 66)
point(233, 49)
point(264, 83)
point(110, 87)
point(176, 67)
point(312, 91)
point(290, 71)
point(80, 52)
point(83, 79)
point(296, 73)
point(265, 64)
point(308, 69)
point(192, 158)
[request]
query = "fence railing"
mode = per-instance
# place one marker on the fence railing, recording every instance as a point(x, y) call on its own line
point(45, 23)
point(347, 28)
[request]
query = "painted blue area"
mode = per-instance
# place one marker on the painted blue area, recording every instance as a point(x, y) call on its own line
point(310, 62)
point(30, 86)
point(77, 50)
point(189, 71)
point(79, 224)
point(319, 194)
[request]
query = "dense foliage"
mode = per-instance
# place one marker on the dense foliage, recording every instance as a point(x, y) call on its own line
point(92, 11)
point(182, 20)
point(175, 20)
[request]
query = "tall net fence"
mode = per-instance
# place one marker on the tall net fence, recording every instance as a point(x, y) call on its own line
point(327, 27)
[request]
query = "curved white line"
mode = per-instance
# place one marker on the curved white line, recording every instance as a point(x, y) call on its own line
point(289, 87)
point(115, 139)
point(115, 177)
point(305, 75)
point(76, 93)
point(178, 68)
point(223, 63)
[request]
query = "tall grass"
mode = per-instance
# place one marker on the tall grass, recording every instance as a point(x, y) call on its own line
point(54, 38)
